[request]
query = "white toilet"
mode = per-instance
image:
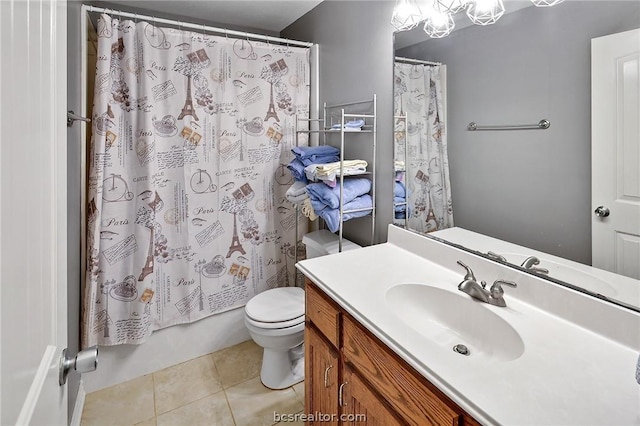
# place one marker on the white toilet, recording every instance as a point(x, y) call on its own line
point(275, 319)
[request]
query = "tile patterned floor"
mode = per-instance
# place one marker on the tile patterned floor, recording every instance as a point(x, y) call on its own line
point(222, 388)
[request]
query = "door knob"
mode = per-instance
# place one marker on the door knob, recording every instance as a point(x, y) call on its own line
point(601, 211)
point(84, 362)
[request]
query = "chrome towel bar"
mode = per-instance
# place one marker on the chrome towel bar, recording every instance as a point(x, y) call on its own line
point(542, 125)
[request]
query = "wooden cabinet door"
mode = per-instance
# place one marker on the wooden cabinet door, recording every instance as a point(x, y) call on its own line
point(360, 406)
point(321, 372)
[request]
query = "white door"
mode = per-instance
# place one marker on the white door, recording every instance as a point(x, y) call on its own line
point(33, 275)
point(615, 152)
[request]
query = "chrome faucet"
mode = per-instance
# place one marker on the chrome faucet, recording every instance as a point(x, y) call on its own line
point(530, 264)
point(493, 296)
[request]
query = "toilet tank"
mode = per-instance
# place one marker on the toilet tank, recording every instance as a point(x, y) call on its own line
point(323, 242)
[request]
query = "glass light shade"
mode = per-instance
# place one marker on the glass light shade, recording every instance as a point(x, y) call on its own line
point(451, 6)
point(439, 25)
point(406, 15)
point(485, 12)
point(546, 3)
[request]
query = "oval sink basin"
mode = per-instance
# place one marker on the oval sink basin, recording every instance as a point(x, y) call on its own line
point(450, 319)
point(568, 274)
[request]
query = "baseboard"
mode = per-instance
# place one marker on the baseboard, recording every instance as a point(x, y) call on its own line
point(79, 406)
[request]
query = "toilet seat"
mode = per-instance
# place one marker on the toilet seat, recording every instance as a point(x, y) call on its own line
point(277, 308)
point(273, 325)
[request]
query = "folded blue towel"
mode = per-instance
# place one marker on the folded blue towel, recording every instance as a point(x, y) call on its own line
point(332, 216)
point(316, 154)
point(400, 205)
point(398, 190)
point(297, 170)
point(330, 196)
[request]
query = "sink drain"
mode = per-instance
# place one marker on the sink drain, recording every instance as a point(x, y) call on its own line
point(462, 349)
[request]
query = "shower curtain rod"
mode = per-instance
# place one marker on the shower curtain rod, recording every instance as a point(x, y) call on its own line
point(416, 61)
point(239, 34)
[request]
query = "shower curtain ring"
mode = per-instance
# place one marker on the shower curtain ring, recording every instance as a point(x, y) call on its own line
point(226, 34)
point(268, 44)
point(246, 34)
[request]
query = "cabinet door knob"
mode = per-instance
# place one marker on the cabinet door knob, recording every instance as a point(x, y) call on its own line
point(326, 376)
point(340, 397)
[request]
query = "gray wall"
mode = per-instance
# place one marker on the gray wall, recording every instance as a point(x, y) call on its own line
point(529, 187)
point(356, 61)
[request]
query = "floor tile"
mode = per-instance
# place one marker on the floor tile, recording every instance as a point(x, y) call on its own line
point(238, 363)
point(184, 383)
point(297, 423)
point(252, 404)
point(127, 403)
point(150, 422)
point(210, 410)
point(299, 390)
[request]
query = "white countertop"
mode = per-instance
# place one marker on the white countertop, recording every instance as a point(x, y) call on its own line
point(575, 370)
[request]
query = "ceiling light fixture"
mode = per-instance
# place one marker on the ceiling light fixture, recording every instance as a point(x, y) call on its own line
point(438, 14)
point(406, 15)
point(485, 12)
point(439, 24)
point(546, 3)
point(451, 6)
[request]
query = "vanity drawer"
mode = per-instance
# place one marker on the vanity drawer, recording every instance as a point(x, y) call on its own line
point(323, 313)
point(412, 396)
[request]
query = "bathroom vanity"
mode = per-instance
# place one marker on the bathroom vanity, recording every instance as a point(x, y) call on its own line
point(389, 335)
point(350, 372)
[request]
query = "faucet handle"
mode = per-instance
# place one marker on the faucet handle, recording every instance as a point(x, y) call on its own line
point(530, 261)
point(496, 289)
point(496, 256)
point(469, 275)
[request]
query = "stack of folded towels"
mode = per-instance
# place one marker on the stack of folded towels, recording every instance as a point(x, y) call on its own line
point(322, 164)
point(325, 201)
point(307, 155)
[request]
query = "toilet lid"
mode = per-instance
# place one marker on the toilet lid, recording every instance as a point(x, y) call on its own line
point(276, 305)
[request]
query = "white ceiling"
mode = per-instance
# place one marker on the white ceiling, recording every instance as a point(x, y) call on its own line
point(269, 15)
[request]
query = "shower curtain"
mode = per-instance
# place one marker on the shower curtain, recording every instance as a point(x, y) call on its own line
point(418, 96)
point(187, 176)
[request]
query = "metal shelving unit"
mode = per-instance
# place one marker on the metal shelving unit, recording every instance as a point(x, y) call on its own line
point(339, 114)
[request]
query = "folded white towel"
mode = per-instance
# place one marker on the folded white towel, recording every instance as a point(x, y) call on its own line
point(329, 171)
point(297, 193)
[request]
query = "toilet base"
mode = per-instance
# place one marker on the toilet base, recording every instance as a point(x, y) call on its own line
point(282, 368)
